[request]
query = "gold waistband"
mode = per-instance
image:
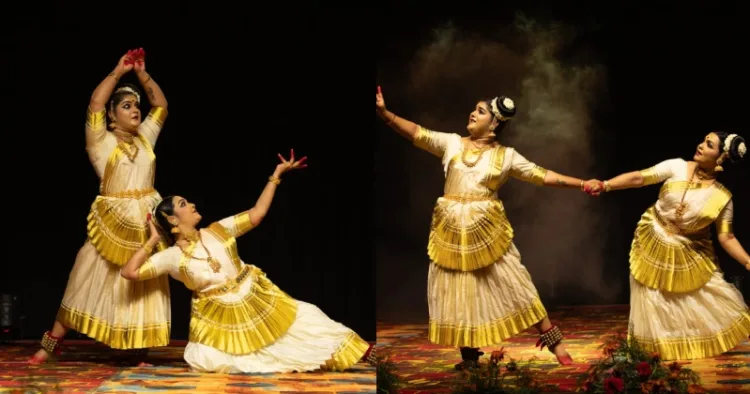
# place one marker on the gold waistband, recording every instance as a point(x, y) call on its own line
point(467, 197)
point(673, 229)
point(228, 287)
point(130, 193)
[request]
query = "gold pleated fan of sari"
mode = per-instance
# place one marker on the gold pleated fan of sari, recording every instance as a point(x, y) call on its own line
point(472, 239)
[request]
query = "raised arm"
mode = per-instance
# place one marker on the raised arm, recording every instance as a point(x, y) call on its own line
point(256, 214)
point(155, 95)
point(728, 241)
point(100, 97)
point(656, 174)
point(406, 128)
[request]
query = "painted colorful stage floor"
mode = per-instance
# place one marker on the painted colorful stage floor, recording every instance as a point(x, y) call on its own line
point(425, 368)
point(91, 368)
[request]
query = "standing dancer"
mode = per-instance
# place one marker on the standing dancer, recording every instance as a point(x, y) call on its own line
point(680, 304)
point(98, 302)
point(479, 293)
point(240, 321)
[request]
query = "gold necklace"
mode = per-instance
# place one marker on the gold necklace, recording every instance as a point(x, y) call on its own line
point(469, 164)
point(130, 150)
point(703, 175)
point(124, 136)
point(212, 262)
point(125, 143)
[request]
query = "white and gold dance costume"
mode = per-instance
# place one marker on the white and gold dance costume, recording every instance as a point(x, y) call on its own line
point(680, 304)
point(98, 302)
point(240, 321)
point(479, 293)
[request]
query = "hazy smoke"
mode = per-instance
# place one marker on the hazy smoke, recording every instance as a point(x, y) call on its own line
point(558, 232)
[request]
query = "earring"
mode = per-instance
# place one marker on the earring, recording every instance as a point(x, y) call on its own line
point(718, 167)
point(175, 230)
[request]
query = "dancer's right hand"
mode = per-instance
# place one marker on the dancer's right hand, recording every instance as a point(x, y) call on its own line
point(155, 236)
point(125, 64)
point(379, 101)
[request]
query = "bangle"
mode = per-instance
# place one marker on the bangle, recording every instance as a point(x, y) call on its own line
point(607, 188)
point(392, 119)
point(146, 81)
point(582, 185)
point(148, 248)
point(274, 180)
point(113, 75)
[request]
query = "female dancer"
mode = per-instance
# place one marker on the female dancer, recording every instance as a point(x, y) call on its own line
point(97, 301)
point(479, 293)
point(680, 304)
point(241, 322)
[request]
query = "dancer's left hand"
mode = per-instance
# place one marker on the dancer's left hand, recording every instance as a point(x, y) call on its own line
point(593, 187)
point(291, 164)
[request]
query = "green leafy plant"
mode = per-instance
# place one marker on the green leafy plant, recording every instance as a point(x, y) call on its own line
point(628, 368)
point(388, 381)
point(496, 377)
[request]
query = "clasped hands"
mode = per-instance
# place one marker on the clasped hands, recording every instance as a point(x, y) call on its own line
point(593, 187)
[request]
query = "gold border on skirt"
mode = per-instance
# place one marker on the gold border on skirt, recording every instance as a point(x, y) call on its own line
point(696, 347)
point(487, 334)
point(116, 337)
point(349, 353)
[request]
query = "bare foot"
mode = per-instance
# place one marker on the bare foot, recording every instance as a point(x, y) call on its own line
point(144, 364)
point(39, 357)
point(563, 357)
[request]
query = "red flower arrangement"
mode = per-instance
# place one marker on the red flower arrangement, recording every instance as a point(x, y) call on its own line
point(628, 368)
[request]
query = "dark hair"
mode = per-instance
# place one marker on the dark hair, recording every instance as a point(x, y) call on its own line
point(734, 149)
point(504, 111)
point(165, 207)
point(116, 98)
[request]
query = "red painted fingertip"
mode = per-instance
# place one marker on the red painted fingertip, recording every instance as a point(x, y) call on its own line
point(148, 217)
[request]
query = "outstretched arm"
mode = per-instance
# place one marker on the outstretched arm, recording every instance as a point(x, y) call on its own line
point(263, 204)
point(726, 236)
point(523, 169)
point(656, 174)
point(554, 179)
point(405, 128)
point(627, 180)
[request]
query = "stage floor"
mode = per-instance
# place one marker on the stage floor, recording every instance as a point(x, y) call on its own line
point(427, 368)
point(86, 367)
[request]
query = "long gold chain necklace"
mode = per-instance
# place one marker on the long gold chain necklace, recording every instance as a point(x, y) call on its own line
point(682, 206)
point(212, 262)
point(125, 142)
point(469, 164)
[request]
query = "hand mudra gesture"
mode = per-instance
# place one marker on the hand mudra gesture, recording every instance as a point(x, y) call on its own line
point(154, 233)
point(379, 101)
point(291, 164)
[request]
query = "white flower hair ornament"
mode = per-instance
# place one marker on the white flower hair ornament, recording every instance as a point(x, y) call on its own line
point(507, 104)
point(728, 142)
point(742, 149)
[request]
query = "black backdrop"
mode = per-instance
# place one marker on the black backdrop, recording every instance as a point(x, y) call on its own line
point(242, 85)
point(673, 73)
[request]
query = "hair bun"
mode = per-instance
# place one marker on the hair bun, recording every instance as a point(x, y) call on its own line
point(503, 107)
point(737, 147)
